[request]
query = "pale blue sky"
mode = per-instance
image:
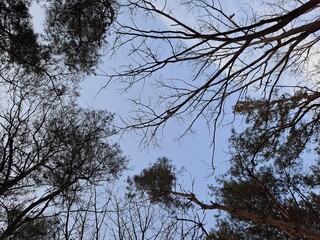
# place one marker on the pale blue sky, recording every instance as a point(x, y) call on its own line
point(194, 152)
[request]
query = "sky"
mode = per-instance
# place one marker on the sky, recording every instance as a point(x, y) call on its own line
point(194, 152)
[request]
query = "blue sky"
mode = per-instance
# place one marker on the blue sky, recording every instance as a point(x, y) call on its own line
point(194, 152)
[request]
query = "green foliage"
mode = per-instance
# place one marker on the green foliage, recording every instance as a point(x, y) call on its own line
point(80, 137)
point(75, 32)
point(18, 42)
point(157, 181)
point(230, 229)
point(41, 228)
point(49, 152)
point(274, 172)
point(249, 196)
point(77, 29)
point(52, 152)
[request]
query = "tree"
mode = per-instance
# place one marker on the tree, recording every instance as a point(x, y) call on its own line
point(156, 181)
point(39, 229)
point(19, 43)
point(50, 151)
point(259, 204)
point(135, 216)
point(77, 30)
point(269, 174)
point(261, 64)
point(54, 153)
point(232, 57)
point(73, 35)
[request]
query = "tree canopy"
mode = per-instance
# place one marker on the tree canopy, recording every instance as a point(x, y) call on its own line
point(260, 65)
point(74, 33)
point(53, 153)
point(232, 57)
point(50, 151)
point(77, 30)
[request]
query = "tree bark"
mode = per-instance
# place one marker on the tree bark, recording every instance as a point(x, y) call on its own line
point(281, 225)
